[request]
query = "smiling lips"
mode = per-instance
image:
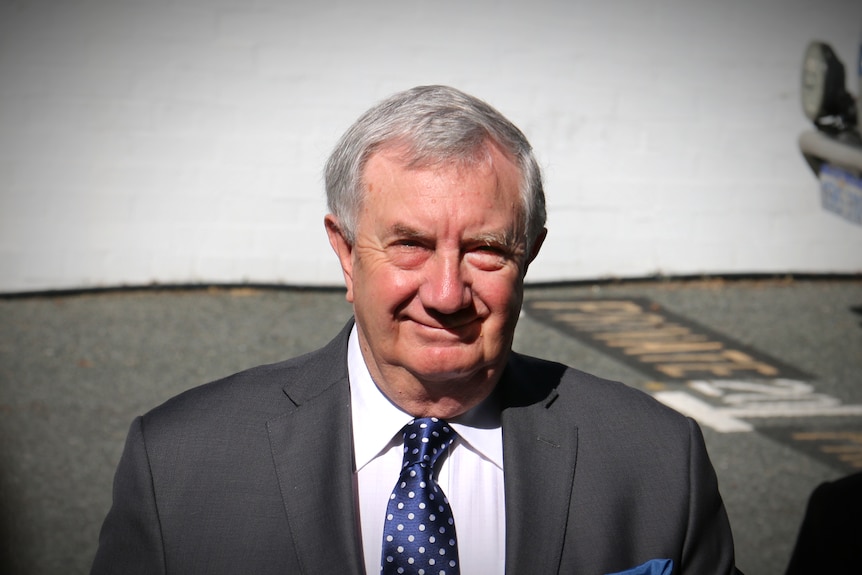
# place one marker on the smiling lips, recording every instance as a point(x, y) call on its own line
point(465, 327)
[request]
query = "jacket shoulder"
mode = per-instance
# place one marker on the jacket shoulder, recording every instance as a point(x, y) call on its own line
point(587, 397)
point(258, 393)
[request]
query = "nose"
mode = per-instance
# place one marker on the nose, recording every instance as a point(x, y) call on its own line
point(445, 288)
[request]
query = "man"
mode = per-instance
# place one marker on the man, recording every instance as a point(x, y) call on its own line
point(523, 466)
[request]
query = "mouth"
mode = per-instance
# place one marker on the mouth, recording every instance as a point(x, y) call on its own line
point(461, 330)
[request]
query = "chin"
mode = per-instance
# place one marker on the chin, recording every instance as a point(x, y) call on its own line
point(447, 364)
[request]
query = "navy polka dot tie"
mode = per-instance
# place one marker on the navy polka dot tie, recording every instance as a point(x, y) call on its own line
point(419, 533)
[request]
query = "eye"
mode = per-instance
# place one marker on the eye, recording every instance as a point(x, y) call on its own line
point(408, 244)
point(488, 257)
point(490, 248)
point(407, 253)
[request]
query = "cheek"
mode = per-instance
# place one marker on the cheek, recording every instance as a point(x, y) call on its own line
point(386, 288)
point(502, 298)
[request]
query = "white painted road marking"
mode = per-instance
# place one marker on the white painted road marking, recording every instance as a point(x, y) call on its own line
point(748, 399)
point(702, 412)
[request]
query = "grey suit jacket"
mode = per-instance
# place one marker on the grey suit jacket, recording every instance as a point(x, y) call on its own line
point(254, 474)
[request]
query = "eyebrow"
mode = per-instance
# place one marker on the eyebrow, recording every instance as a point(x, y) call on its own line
point(405, 231)
point(503, 238)
point(500, 238)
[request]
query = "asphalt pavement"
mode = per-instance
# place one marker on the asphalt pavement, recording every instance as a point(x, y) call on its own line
point(771, 369)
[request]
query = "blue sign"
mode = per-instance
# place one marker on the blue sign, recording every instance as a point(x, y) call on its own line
point(841, 193)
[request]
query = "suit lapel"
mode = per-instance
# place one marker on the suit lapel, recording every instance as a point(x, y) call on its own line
point(539, 454)
point(312, 448)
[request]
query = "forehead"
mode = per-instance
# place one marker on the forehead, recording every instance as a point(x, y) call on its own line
point(483, 173)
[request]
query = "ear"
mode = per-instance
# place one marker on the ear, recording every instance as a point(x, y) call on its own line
point(537, 245)
point(342, 249)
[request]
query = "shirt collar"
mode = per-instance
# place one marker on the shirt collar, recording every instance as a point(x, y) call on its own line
point(377, 422)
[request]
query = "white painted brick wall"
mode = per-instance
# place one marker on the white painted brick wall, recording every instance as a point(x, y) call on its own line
point(178, 141)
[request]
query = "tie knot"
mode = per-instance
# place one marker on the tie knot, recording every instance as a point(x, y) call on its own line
point(425, 440)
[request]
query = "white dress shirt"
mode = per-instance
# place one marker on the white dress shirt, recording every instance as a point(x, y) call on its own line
point(471, 475)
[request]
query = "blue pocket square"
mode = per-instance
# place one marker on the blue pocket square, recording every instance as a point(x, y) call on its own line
point(652, 567)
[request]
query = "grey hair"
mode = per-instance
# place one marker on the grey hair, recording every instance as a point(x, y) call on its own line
point(435, 124)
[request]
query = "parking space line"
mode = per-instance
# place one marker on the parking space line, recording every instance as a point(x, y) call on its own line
point(702, 412)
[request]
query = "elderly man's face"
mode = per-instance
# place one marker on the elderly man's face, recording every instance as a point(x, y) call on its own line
point(436, 274)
